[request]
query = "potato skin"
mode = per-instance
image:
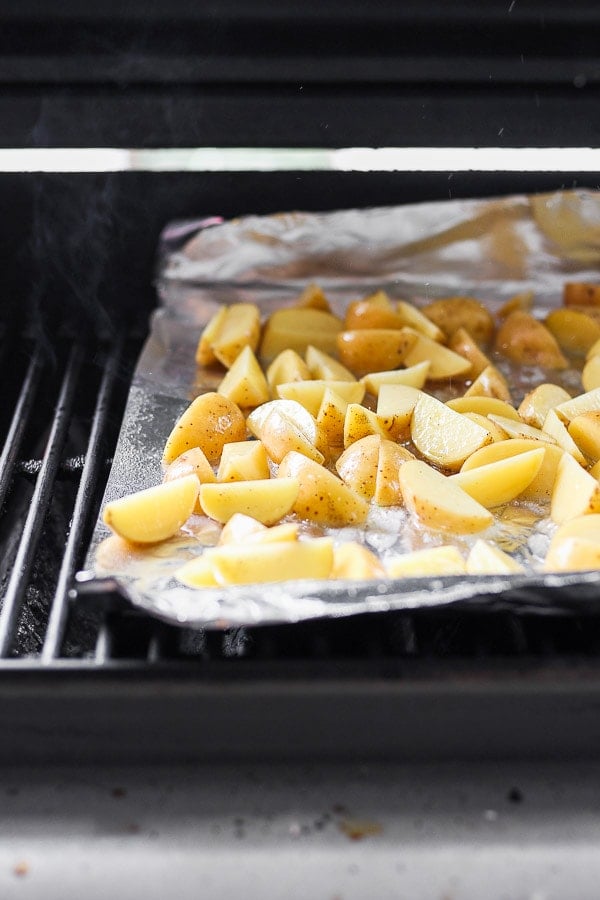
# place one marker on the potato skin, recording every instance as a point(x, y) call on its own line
point(209, 422)
point(452, 313)
point(526, 341)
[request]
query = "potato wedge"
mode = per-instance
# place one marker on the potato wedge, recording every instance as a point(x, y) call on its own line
point(582, 403)
point(451, 313)
point(154, 514)
point(541, 487)
point(323, 366)
point(574, 331)
point(522, 302)
point(444, 560)
point(312, 297)
point(365, 349)
point(239, 528)
point(284, 425)
point(356, 562)
point(443, 363)
point(443, 436)
point(412, 317)
point(590, 375)
point(267, 500)
point(484, 406)
point(580, 293)
point(243, 461)
point(538, 402)
point(465, 345)
point(209, 422)
point(192, 462)
point(486, 559)
point(287, 366)
point(439, 503)
point(310, 393)
point(576, 492)
point(585, 431)
point(413, 376)
point(526, 341)
point(266, 563)
point(197, 572)
point(497, 433)
point(395, 406)
point(322, 497)
point(245, 383)
point(229, 331)
point(376, 311)
point(296, 329)
point(387, 485)
point(357, 466)
point(360, 422)
point(557, 430)
point(572, 554)
point(518, 429)
point(500, 482)
point(204, 352)
point(490, 383)
point(331, 418)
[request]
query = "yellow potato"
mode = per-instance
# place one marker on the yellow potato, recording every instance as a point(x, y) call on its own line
point(451, 313)
point(310, 393)
point(444, 560)
point(284, 425)
point(412, 317)
point(243, 461)
point(331, 418)
point(197, 572)
point(463, 344)
point(515, 428)
point(322, 497)
point(239, 528)
point(490, 383)
point(538, 402)
point(443, 436)
point(353, 561)
point(204, 352)
point(582, 526)
point(365, 349)
point(323, 366)
point(360, 422)
point(572, 554)
point(585, 431)
point(376, 311)
point(387, 484)
point(209, 422)
point(496, 432)
point(555, 429)
point(486, 559)
point(590, 375)
point(583, 403)
point(357, 466)
point(395, 406)
point(526, 341)
point(541, 487)
point(443, 363)
point(580, 293)
point(287, 366)
point(267, 500)
point(154, 514)
point(266, 563)
point(413, 376)
point(231, 329)
point(522, 302)
point(245, 383)
point(576, 492)
point(313, 297)
point(296, 329)
point(484, 406)
point(574, 331)
point(594, 350)
point(502, 481)
point(192, 462)
point(439, 503)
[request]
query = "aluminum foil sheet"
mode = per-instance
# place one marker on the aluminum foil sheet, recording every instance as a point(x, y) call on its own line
point(490, 249)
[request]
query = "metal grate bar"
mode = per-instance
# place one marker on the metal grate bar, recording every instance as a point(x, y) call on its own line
point(25, 403)
point(103, 650)
point(85, 495)
point(39, 503)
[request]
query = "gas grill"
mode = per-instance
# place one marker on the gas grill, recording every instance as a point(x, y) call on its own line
point(93, 679)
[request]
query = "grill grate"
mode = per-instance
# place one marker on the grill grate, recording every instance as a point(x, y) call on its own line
point(65, 400)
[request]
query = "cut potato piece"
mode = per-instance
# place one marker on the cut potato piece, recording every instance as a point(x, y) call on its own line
point(443, 436)
point(357, 466)
point(581, 293)
point(373, 312)
point(451, 313)
point(363, 350)
point(541, 487)
point(229, 331)
point(583, 403)
point(331, 418)
point(209, 422)
point(197, 573)
point(204, 352)
point(555, 429)
point(590, 375)
point(395, 407)
point(245, 383)
point(387, 485)
point(243, 461)
point(526, 341)
point(443, 363)
point(572, 554)
point(518, 429)
point(594, 350)
point(353, 561)
point(312, 297)
point(287, 366)
point(267, 500)
point(497, 433)
point(239, 528)
point(582, 526)
point(490, 383)
point(439, 503)
point(296, 329)
point(463, 344)
point(484, 406)
point(266, 563)
point(284, 425)
point(323, 366)
point(521, 302)
point(360, 422)
point(414, 376)
point(322, 497)
point(412, 317)
point(192, 462)
point(486, 559)
point(574, 331)
point(538, 402)
point(585, 431)
point(310, 393)
point(576, 492)
point(444, 560)
point(502, 481)
point(154, 514)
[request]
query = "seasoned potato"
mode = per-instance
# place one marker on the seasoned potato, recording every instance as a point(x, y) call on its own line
point(541, 487)
point(443, 363)
point(556, 429)
point(502, 481)
point(287, 366)
point(439, 503)
point(538, 402)
point(376, 311)
point(588, 402)
point(575, 545)
point(590, 375)
point(526, 341)
point(387, 484)
point(585, 431)
point(486, 559)
point(312, 297)
point(444, 560)
point(497, 433)
point(209, 422)
point(284, 425)
point(484, 406)
point(267, 500)
point(310, 393)
point(413, 376)
point(245, 383)
point(356, 562)
point(580, 293)
point(241, 528)
point(412, 317)
point(192, 462)
point(574, 331)
point(463, 344)
point(576, 492)
point(451, 313)
point(229, 331)
point(322, 497)
point(490, 383)
point(296, 329)
point(515, 428)
point(243, 461)
point(323, 366)
point(521, 302)
point(267, 562)
point(365, 349)
point(154, 514)
point(331, 418)
point(443, 436)
point(357, 466)
point(204, 352)
point(359, 422)
point(395, 407)
point(197, 573)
